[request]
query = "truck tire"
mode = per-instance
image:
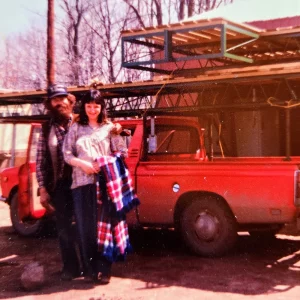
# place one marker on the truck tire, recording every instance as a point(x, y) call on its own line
point(29, 227)
point(208, 227)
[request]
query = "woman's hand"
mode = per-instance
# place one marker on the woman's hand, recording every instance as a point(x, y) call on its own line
point(88, 167)
point(96, 166)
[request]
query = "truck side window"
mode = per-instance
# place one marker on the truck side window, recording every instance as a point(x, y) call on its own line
point(176, 140)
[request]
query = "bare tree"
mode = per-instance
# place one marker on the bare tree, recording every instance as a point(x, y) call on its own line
point(88, 40)
point(75, 10)
point(193, 7)
point(146, 13)
point(106, 22)
point(24, 63)
point(181, 9)
point(157, 12)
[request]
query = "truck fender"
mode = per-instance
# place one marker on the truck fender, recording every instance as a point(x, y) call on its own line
point(11, 193)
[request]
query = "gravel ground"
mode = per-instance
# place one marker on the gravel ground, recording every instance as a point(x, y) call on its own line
point(160, 268)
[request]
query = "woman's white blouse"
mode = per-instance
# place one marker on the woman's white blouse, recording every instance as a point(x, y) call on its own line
point(87, 143)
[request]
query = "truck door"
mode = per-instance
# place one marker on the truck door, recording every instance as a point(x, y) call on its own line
point(28, 186)
point(25, 210)
point(166, 164)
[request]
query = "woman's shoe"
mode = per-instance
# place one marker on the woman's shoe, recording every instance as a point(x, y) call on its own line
point(68, 276)
point(96, 277)
point(101, 279)
point(89, 276)
point(105, 279)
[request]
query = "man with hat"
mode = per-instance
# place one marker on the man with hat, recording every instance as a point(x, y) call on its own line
point(54, 176)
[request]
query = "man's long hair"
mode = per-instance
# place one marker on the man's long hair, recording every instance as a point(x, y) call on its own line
point(92, 96)
point(70, 97)
point(58, 116)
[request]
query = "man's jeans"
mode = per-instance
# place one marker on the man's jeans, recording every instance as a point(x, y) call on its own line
point(63, 203)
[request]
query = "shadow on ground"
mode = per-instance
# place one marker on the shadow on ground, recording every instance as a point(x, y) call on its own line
point(254, 267)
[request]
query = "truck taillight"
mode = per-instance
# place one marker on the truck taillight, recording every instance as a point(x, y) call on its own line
point(297, 188)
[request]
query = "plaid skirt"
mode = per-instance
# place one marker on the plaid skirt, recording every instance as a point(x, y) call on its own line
point(112, 229)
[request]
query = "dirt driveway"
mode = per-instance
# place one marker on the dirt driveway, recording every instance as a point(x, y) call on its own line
point(160, 268)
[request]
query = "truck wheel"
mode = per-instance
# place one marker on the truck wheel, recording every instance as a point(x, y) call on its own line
point(208, 227)
point(28, 227)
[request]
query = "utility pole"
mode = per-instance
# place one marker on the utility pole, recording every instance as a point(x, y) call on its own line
point(50, 44)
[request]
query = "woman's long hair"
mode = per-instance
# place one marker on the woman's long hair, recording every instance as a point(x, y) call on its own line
point(92, 96)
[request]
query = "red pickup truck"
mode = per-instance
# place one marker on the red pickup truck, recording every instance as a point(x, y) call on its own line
point(207, 200)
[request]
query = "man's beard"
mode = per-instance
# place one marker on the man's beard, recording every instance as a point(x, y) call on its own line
point(61, 115)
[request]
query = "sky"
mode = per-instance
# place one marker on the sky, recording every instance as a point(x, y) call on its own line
point(254, 10)
point(17, 15)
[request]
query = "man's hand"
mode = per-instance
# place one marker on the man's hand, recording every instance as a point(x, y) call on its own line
point(45, 200)
point(117, 129)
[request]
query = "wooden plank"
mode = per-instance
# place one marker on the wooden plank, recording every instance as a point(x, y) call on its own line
point(188, 25)
point(220, 75)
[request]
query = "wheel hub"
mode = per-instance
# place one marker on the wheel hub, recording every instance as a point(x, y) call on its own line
point(206, 226)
